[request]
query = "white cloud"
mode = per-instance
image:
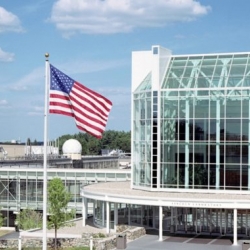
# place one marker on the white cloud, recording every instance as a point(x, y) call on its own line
point(78, 67)
point(179, 36)
point(113, 16)
point(31, 79)
point(6, 56)
point(9, 21)
point(36, 111)
point(36, 76)
point(35, 6)
point(4, 104)
point(34, 114)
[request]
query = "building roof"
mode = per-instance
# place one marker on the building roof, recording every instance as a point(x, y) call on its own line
point(121, 192)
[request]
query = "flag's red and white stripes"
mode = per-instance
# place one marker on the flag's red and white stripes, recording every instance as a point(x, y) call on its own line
point(89, 108)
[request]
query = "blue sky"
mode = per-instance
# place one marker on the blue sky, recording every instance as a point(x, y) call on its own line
point(92, 41)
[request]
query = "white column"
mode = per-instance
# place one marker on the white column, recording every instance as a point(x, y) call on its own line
point(160, 223)
point(91, 243)
point(107, 217)
point(217, 181)
point(115, 216)
point(19, 243)
point(159, 148)
point(84, 211)
point(235, 226)
point(187, 144)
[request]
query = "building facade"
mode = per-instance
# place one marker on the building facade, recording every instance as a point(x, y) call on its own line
point(190, 147)
point(22, 180)
point(191, 121)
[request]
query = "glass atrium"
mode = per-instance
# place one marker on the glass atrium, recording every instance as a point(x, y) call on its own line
point(193, 132)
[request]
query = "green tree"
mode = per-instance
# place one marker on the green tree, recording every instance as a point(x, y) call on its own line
point(29, 219)
point(58, 199)
point(92, 146)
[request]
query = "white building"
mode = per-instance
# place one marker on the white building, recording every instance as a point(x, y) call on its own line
point(190, 147)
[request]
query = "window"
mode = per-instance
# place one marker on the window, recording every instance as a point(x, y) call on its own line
point(155, 50)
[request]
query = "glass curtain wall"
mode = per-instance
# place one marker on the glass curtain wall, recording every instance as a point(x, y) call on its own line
point(142, 134)
point(205, 121)
point(19, 190)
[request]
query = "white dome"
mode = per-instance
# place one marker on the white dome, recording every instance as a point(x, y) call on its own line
point(72, 146)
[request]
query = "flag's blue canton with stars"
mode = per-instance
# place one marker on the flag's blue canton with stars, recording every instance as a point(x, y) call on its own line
point(68, 97)
point(60, 81)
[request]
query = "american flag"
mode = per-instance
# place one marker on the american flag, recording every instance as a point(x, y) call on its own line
point(68, 97)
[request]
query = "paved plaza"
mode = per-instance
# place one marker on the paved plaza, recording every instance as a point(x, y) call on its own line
point(184, 242)
point(150, 240)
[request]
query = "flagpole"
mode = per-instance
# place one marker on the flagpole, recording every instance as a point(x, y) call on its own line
point(45, 153)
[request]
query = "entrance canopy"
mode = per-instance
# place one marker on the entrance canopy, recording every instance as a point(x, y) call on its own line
point(121, 192)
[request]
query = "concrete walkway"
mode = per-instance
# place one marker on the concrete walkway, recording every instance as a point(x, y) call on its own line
point(77, 230)
point(171, 242)
point(149, 242)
